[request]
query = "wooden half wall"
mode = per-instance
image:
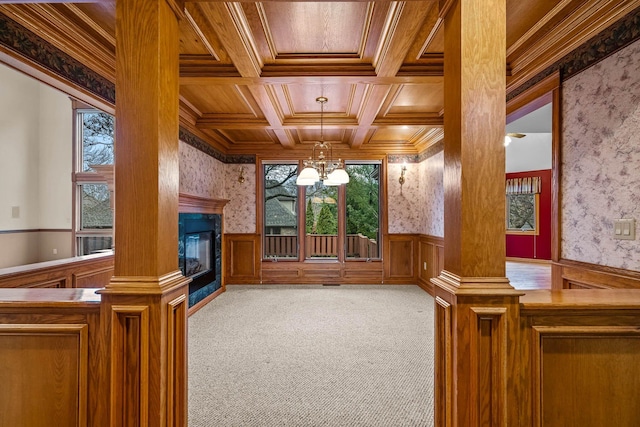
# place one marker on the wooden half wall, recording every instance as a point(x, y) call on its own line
point(578, 354)
point(569, 274)
point(90, 271)
point(55, 359)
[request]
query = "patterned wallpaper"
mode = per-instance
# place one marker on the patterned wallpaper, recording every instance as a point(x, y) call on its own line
point(432, 193)
point(404, 209)
point(240, 212)
point(204, 176)
point(601, 160)
point(200, 174)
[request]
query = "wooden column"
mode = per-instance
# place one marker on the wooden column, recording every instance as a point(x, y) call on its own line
point(145, 304)
point(476, 307)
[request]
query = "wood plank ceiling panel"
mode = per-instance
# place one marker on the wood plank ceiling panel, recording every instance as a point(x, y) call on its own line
point(251, 71)
point(221, 99)
point(316, 29)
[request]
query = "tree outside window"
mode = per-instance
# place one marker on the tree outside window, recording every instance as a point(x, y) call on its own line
point(94, 204)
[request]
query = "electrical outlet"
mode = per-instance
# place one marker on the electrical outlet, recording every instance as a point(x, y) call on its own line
point(55, 251)
point(424, 265)
point(624, 229)
point(15, 211)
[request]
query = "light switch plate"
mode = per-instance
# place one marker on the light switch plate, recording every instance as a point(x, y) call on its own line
point(624, 229)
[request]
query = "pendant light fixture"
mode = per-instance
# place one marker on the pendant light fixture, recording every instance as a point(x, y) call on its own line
point(318, 167)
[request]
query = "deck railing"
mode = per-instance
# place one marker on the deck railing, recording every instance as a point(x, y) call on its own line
point(359, 246)
point(281, 246)
point(319, 245)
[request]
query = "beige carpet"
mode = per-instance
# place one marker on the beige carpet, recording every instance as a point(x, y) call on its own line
point(312, 356)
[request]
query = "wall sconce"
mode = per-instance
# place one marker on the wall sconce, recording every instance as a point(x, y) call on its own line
point(401, 180)
point(241, 176)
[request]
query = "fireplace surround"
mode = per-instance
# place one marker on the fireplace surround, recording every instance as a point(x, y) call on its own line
point(200, 247)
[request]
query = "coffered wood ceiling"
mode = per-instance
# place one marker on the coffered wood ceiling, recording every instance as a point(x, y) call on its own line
point(250, 72)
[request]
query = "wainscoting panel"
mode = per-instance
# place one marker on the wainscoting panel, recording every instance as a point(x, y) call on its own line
point(581, 275)
point(92, 278)
point(322, 272)
point(431, 260)
point(400, 258)
point(589, 365)
point(242, 258)
point(489, 338)
point(129, 365)
point(177, 361)
point(52, 360)
point(443, 364)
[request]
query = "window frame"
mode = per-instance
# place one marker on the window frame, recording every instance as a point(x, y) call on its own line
point(262, 214)
point(519, 232)
point(80, 178)
point(301, 216)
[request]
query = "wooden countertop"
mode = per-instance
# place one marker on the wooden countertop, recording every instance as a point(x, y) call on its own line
point(37, 297)
point(28, 268)
point(581, 299)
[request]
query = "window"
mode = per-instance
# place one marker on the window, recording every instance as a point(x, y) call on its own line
point(93, 181)
point(522, 213)
point(336, 222)
point(522, 205)
point(363, 211)
point(321, 221)
point(280, 211)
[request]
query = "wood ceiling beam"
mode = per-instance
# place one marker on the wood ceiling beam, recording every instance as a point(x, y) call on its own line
point(205, 66)
point(431, 25)
point(425, 119)
point(374, 98)
point(229, 121)
point(318, 69)
point(206, 80)
point(267, 103)
point(202, 28)
point(403, 24)
point(234, 34)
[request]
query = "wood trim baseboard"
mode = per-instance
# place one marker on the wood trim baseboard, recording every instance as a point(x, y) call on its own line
point(204, 301)
point(529, 260)
point(427, 287)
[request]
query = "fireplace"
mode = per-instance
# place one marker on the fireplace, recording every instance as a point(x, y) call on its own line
point(199, 255)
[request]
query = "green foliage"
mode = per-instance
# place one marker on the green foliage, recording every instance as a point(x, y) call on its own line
point(309, 218)
point(327, 220)
point(363, 200)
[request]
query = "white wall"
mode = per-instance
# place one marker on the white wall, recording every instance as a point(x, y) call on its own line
point(19, 158)
point(531, 153)
point(56, 151)
point(35, 169)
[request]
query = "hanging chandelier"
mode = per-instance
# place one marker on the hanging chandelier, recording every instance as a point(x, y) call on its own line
point(319, 167)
